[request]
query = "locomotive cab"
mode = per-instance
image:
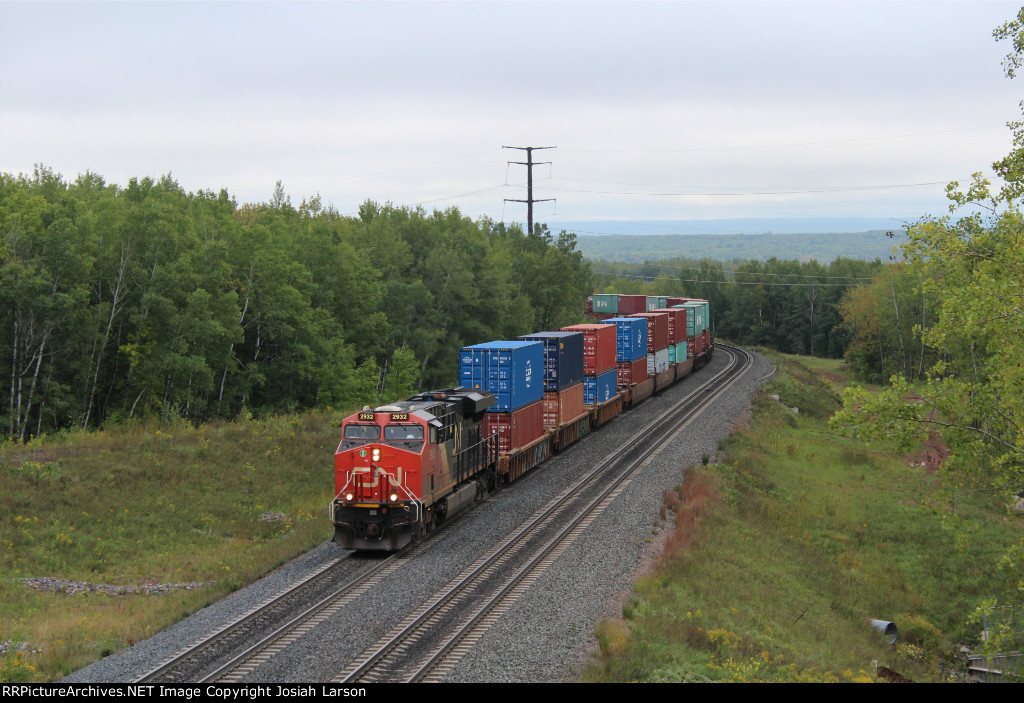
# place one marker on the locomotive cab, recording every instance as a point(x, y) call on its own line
point(401, 469)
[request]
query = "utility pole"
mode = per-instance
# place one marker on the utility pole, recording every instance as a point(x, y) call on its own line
point(529, 164)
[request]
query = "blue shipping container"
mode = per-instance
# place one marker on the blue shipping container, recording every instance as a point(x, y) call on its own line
point(563, 358)
point(600, 389)
point(512, 370)
point(630, 337)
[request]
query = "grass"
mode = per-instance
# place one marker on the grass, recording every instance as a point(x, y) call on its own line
point(219, 505)
point(783, 550)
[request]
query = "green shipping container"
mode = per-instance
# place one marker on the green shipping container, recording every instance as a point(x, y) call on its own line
point(677, 353)
point(605, 303)
point(695, 320)
point(655, 302)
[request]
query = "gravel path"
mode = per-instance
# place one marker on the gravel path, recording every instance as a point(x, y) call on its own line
point(547, 635)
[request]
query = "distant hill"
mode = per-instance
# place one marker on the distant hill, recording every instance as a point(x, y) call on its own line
point(736, 225)
point(823, 247)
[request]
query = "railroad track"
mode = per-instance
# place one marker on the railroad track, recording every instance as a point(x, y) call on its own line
point(190, 663)
point(428, 644)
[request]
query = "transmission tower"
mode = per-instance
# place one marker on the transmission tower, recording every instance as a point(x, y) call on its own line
point(529, 164)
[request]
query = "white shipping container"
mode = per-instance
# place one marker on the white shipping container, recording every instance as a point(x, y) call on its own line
point(657, 362)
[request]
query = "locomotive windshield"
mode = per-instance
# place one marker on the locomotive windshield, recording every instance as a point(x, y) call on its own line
point(403, 432)
point(362, 432)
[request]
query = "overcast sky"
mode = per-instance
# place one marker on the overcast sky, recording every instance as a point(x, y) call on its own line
point(666, 110)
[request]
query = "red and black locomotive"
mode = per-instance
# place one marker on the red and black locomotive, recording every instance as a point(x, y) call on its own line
point(402, 469)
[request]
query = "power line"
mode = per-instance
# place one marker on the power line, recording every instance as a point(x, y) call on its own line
point(397, 169)
point(460, 195)
point(801, 191)
point(746, 189)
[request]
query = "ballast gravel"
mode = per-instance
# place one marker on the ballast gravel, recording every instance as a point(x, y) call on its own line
point(548, 635)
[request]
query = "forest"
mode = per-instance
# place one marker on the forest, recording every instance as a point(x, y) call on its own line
point(145, 300)
point(865, 311)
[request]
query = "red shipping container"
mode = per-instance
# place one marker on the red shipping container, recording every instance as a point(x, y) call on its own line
point(598, 347)
point(632, 304)
point(517, 428)
point(630, 372)
point(674, 301)
point(562, 407)
point(699, 339)
point(676, 324)
point(657, 330)
point(691, 347)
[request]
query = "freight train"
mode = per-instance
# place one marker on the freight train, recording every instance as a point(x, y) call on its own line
point(401, 470)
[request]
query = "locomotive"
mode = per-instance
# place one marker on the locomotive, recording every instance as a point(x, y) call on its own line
point(402, 469)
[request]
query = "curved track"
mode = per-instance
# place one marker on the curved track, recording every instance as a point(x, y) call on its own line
point(429, 643)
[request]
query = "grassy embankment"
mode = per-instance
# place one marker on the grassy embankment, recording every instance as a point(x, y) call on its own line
point(221, 504)
point(782, 550)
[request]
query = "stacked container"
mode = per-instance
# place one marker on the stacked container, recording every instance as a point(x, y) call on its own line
point(705, 309)
point(600, 389)
point(564, 406)
point(655, 302)
point(517, 428)
point(694, 325)
point(631, 349)
point(598, 347)
point(604, 303)
point(657, 330)
point(563, 358)
point(563, 375)
point(599, 353)
point(676, 324)
point(657, 342)
point(657, 362)
point(630, 338)
point(631, 372)
point(677, 353)
point(514, 372)
point(632, 304)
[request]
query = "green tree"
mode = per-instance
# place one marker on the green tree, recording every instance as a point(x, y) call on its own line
point(972, 261)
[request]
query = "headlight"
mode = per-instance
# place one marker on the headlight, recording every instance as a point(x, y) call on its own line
point(394, 497)
point(349, 496)
point(376, 454)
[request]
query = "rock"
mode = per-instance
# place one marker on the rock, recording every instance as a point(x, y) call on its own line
point(57, 585)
